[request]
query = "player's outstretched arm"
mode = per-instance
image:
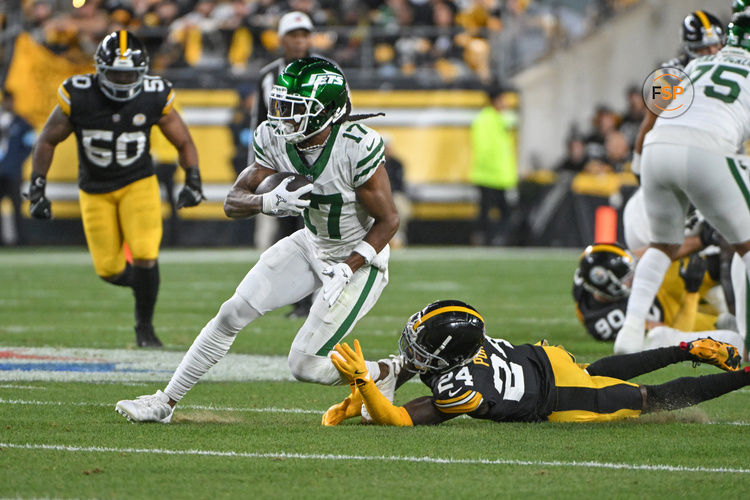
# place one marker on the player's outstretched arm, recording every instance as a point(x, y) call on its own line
point(175, 130)
point(421, 411)
point(241, 201)
point(375, 196)
point(57, 128)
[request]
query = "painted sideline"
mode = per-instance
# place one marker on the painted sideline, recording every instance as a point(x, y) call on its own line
point(124, 365)
point(375, 458)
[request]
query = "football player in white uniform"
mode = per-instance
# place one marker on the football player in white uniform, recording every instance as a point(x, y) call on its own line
point(341, 256)
point(691, 158)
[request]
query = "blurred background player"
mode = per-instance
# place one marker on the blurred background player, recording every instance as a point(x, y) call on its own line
point(111, 113)
point(601, 287)
point(340, 256)
point(295, 29)
point(16, 139)
point(489, 378)
point(692, 158)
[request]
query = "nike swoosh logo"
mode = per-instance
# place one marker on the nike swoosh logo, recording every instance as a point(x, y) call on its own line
point(453, 393)
point(372, 144)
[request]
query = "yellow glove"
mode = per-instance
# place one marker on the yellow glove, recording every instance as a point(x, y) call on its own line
point(350, 363)
point(348, 408)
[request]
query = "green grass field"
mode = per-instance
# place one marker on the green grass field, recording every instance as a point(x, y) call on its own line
point(263, 438)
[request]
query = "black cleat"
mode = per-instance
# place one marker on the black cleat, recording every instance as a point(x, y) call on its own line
point(145, 336)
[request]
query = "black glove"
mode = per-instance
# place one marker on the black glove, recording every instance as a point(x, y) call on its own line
point(708, 234)
point(39, 205)
point(692, 273)
point(192, 192)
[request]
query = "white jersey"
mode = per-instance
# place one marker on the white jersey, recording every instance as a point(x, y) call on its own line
point(335, 220)
point(719, 116)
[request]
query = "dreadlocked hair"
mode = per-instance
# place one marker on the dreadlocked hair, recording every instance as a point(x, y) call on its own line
point(348, 116)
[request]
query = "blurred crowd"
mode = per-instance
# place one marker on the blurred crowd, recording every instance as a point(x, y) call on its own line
point(444, 40)
point(607, 146)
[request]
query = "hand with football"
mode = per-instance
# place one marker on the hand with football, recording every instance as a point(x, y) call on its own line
point(283, 203)
point(350, 362)
point(340, 275)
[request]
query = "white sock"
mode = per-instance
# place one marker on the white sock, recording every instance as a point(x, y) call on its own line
point(210, 345)
point(649, 273)
point(665, 336)
point(207, 349)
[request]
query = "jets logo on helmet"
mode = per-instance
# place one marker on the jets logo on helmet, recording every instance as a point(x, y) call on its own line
point(606, 270)
point(310, 94)
point(121, 64)
point(445, 334)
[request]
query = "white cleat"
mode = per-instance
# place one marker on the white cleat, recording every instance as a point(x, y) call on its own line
point(387, 385)
point(150, 408)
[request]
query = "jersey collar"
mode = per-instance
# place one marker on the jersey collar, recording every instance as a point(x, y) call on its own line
point(317, 168)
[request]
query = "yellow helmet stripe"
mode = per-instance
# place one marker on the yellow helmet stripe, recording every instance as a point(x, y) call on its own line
point(609, 248)
point(704, 21)
point(123, 43)
point(446, 309)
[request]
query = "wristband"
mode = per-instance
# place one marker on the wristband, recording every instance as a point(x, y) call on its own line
point(366, 251)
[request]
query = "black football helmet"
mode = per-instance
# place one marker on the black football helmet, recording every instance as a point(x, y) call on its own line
point(121, 64)
point(606, 270)
point(445, 334)
point(700, 30)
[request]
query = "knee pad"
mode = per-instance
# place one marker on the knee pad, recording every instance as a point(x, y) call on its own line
point(234, 315)
point(311, 368)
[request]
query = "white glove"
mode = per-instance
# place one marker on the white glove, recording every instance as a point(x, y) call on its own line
point(341, 275)
point(282, 203)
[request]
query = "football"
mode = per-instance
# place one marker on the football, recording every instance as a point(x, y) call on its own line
point(269, 183)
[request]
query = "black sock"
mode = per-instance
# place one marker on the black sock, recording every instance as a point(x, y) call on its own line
point(687, 391)
point(125, 278)
point(145, 290)
point(627, 366)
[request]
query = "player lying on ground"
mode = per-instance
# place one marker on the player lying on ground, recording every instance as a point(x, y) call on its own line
point(601, 287)
point(341, 256)
point(488, 378)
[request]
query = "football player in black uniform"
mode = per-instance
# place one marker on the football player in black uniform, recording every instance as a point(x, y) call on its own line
point(489, 378)
point(111, 113)
point(601, 287)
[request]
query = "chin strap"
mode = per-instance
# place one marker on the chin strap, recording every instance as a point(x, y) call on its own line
point(381, 410)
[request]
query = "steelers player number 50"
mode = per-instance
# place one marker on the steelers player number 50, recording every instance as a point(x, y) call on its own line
point(101, 147)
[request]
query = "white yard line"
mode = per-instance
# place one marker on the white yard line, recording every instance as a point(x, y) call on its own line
point(376, 458)
point(180, 407)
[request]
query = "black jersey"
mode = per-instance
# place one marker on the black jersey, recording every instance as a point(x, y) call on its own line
point(513, 381)
point(113, 137)
point(603, 320)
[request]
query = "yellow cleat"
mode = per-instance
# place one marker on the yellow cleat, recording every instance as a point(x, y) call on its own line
point(713, 352)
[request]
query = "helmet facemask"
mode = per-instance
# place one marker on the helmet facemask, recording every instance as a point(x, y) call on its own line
point(291, 115)
point(120, 83)
point(738, 34)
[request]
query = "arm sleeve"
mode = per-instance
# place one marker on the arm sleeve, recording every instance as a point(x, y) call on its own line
point(466, 402)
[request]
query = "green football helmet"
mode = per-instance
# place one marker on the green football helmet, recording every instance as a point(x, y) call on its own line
point(310, 94)
point(738, 31)
point(740, 5)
